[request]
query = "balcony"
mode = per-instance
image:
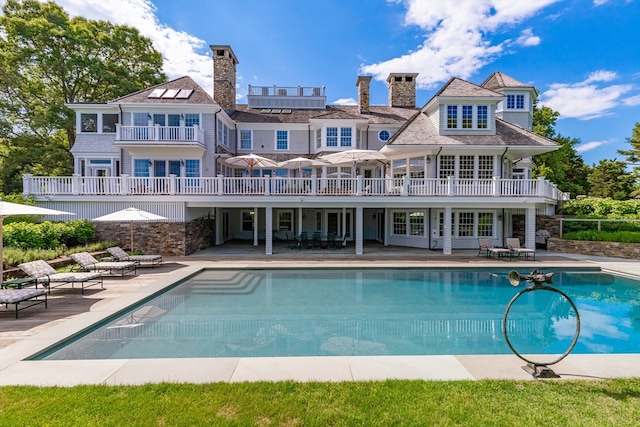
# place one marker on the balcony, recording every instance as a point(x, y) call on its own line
point(281, 99)
point(277, 186)
point(159, 135)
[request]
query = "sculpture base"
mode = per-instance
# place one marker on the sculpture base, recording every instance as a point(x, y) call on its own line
point(540, 371)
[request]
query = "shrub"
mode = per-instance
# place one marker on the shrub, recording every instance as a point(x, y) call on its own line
point(48, 235)
point(604, 236)
point(603, 208)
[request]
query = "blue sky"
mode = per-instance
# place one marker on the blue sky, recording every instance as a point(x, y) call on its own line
point(583, 56)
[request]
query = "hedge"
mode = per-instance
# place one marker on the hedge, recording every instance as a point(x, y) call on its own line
point(48, 235)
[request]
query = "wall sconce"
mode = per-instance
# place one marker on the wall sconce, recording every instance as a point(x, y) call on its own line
point(499, 217)
point(182, 162)
point(148, 116)
point(373, 216)
point(150, 163)
point(181, 116)
point(428, 159)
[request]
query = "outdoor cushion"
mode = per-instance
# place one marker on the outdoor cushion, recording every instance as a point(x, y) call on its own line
point(119, 254)
point(45, 274)
point(16, 296)
point(88, 262)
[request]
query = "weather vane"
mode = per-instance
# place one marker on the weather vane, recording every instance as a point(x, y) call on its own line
point(540, 282)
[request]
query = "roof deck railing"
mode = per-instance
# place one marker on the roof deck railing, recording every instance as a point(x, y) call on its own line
point(284, 186)
point(286, 97)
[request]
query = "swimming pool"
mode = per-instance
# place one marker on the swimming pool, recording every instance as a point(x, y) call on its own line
point(310, 312)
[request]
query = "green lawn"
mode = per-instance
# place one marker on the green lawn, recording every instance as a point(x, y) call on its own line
point(539, 403)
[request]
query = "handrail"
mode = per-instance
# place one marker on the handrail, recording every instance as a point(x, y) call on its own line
point(285, 186)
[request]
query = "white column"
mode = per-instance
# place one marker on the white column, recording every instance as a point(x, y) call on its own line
point(344, 222)
point(268, 230)
point(299, 220)
point(218, 225)
point(255, 226)
point(530, 228)
point(446, 243)
point(358, 226)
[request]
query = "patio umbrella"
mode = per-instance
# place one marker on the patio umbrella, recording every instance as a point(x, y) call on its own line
point(301, 163)
point(251, 161)
point(131, 215)
point(9, 209)
point(353, 157)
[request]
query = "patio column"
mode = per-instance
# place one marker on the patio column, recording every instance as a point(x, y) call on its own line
point(530, 228)
point(268, 230)
point(446, 243)
point(299, 220)
point(255, 226)
point(218, 225)
point(359, 221)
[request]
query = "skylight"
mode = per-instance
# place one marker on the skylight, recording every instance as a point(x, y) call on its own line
point(184, 93)
point(157, 93)
point(170, 93)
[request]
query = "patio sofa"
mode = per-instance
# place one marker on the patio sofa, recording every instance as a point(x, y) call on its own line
point(48, 277)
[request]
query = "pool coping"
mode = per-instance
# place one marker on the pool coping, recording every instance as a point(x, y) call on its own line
point(15, 370)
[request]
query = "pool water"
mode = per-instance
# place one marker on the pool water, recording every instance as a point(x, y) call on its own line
point(338, 312)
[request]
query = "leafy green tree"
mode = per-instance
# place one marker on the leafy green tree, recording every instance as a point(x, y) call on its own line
point(48, 60)
point(633, 157)
point(609, 178)
point(564, 166)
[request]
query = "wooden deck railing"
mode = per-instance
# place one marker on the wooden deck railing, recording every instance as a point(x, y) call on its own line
point(279, 186)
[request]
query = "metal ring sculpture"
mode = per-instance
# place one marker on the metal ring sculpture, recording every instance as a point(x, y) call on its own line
point(537, 278)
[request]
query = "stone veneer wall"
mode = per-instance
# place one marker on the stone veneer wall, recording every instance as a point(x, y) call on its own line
point(166, 238)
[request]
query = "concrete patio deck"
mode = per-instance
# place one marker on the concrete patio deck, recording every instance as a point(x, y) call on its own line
point(70, 312)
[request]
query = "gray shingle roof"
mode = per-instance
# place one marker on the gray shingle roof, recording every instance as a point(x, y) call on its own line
point(462, 88)
point(500, 80)
point(199, 95)
point(420, 131)
point(376, 114)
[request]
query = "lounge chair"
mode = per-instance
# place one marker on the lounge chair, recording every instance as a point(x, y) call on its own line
point(514, 245)
point(88, 263)
point(120, 255)
point(50, 278)
point(485, 247)
point(17, 296)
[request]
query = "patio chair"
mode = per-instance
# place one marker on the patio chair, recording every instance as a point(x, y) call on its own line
point(120, 255)
point(48, 277)
point(513, 244)
point(485, 247)
point(316, 240)
point(331, 241)
point(88, 263)
point(17, 296)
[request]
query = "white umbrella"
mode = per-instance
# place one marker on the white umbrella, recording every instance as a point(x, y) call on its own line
point(353, 156)
point(251, 161)
point(8, 209)
point(131, 215)
point(300, 163)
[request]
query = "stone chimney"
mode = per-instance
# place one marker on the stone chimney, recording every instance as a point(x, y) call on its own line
point(363, 93)
point(224, 76)
point(402, 89)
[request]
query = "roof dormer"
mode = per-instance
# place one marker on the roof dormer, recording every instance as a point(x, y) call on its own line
point(517, 106)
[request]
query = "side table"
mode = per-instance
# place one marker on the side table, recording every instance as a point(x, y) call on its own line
point(19, 283)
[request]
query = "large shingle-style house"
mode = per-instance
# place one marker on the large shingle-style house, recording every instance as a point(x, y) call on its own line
point(453, 171)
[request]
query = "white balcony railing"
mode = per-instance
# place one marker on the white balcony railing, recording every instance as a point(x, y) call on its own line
point(159, 134)
point(278, 186)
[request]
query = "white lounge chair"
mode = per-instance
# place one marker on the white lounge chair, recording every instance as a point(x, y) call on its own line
point(485, 247)
point(48, 277)
point(119, 254)
point(514, 245)
point(17, 296)
point(89, 263)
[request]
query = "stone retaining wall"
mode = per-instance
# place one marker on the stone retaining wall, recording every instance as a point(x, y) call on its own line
point(608, 249)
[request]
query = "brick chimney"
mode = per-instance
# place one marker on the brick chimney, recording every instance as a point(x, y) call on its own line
point(402, 89)
point(224, 76)
point(363, 83)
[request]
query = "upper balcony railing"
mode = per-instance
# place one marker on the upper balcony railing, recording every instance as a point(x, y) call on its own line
point(278, 186)
point(160, 134)
point(283, 97)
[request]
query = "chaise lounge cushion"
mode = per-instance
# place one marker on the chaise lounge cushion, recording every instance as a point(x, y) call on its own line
point(119, 254)
point(45, 274)
point(12, 296)
point(89, 263)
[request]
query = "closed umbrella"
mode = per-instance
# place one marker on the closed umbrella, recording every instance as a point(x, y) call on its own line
point(9, 209)
point(131, 215)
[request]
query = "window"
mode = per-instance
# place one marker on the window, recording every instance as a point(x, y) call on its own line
point(285, 220)
point(332, 137)
point(345, 137)
point(447, 166)
point(466, 167)
point(416, 168)
point(465, 224)
point(222, 133)
point(467, 116)
point(452, 116)
point(416, 223)
point(245, 140)
point(282, 140)
point(399, 168)
point(141, 167)
point(247, 220)
point(485, 167)
point(192, 168)
point(400, 223)
point(109, 123)
point(408, 223)
point(482, 117)
point(469, 224)
point(384, 135)
point(89, 122)
point(318, 138)
point(141, 119)
point(192, 119)
point(485, 224)
point(515, 102)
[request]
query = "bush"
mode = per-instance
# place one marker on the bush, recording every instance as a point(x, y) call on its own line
point(604, 236)
point(48, 235)
point(592, 207)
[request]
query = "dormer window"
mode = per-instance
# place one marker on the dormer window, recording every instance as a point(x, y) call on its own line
point(470, 117)
point(515, 102)
point(483, 122)
point(467, 117)
point(452, 116)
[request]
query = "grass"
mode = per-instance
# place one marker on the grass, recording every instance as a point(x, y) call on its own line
point(387, 403)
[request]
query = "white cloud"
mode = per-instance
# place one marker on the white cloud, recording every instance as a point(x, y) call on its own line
point(632, 101)
point(456, 39)
point(586, 100)
point(588, 146)
point(183, 53)
point(345, 101)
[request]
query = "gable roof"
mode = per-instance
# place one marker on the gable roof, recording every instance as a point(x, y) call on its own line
point(457, 87)
point(376, 114)
point(198, 96)
point(500, 80)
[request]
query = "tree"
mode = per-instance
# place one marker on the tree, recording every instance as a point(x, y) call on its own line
point(48, 60)
point(564, 166)
point(633, 157)
point(609, 178)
